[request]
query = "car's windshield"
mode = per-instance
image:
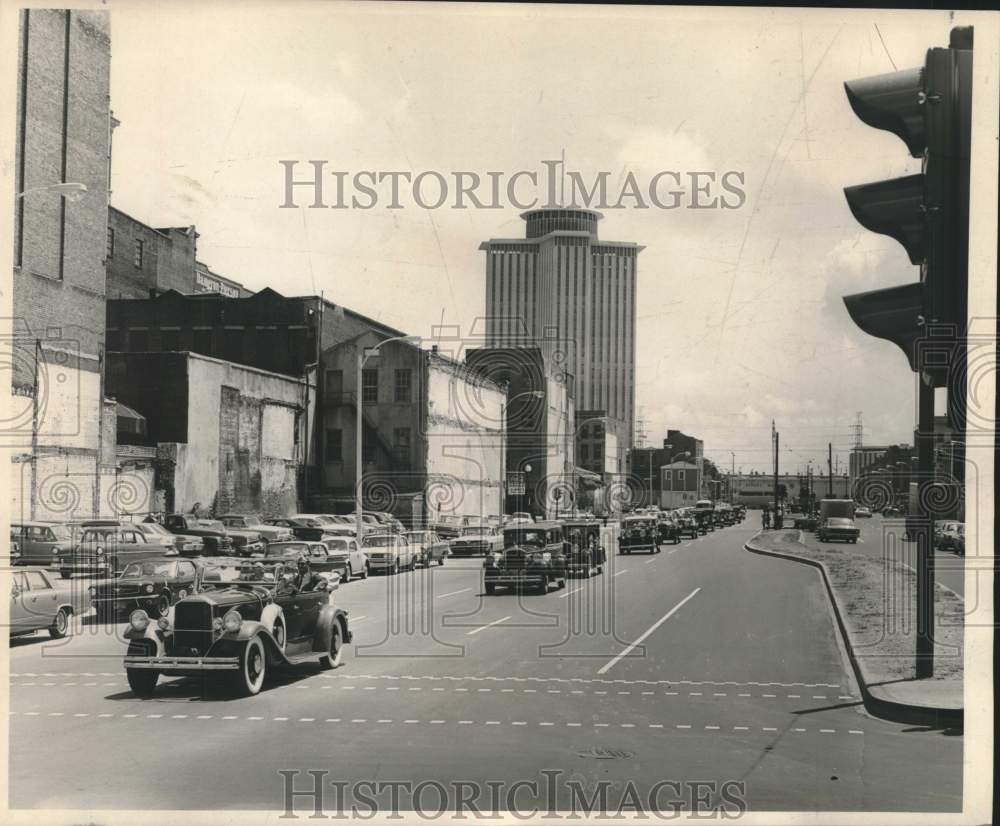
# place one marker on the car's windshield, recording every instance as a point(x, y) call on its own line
point(337, 544)
point(474, 530)
point(377, 540)
point(62, 533)
point(839, 522)
point(149, 568)
point(525, 536)
point(208, 524)
point(150, 528)
point(256, 572)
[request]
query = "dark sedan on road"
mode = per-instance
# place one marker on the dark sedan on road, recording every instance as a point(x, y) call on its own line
point(639, 533)
point(838, 528)
point(152, 584)
point(533, 556)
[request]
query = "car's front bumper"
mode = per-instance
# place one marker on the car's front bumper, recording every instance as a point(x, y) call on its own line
point(183, 664)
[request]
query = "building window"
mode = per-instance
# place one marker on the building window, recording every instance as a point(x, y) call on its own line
point(334, 444)
point(170, 340)
point(680, 477)
point(368, 450)
point(401, 446)
point(369, 386)
point(111, 242)
point(403, 381)
point(333, 384)
point(137, 255)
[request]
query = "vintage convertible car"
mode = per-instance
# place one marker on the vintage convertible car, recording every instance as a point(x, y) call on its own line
point(248, 617)
point(638, 533)
point(668, 529)
point(585, 554)
point(151, 584)
point(533, 556)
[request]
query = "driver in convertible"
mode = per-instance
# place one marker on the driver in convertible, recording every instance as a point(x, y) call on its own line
point(302, 580)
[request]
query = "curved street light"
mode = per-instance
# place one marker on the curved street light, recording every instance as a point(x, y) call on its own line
point(71, 191)
point(363, 355)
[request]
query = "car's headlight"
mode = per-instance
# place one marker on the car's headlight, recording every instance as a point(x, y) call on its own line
point(232, 621)
point(139, 620)
point(148, 589)
point(56, 550)
point(100, 551)
point(92, 591)
point(163, 624)
point(217, 623)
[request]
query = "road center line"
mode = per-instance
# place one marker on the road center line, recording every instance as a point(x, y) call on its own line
point(571, 591)
point(488, 625)
point(609, 665)
point(623, 571)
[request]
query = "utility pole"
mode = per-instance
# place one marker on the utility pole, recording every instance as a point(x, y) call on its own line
point(777, 441)
point(829, 469)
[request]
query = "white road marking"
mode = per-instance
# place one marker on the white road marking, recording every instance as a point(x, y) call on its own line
point(611, 664)
point(650, 561)
point(741, 728)
point(518, 723)
point(712, 728)
point(768, 728)
point(452, 593)
point(488, 625)
point(681, 726)
point(623, 571)
point(571, 591)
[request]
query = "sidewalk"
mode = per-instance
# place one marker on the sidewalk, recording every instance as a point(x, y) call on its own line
point(874, 600)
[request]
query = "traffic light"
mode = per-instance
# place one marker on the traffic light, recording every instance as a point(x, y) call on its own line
point(929, 109)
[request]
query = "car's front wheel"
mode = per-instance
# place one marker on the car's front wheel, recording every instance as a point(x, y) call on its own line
point(347, 574)
point(142, 681)
point(335, 655)
point(60, 625)
point(252, 668)
point(367, 570)
point(490, 589)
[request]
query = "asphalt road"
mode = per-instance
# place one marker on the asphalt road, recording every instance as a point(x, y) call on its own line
point(704, 663)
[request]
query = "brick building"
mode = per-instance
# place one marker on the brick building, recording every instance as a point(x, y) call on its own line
point(228, 437)
point(539, 446)
point(63, 124)
point(432, 440)
point(644, 465)
point(143, 261)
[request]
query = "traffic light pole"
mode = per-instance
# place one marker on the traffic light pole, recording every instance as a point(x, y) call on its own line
point(924, 533)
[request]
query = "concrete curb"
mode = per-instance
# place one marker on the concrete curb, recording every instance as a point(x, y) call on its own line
point(891, 710)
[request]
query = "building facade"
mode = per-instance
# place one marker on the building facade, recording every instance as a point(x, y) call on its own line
point(680, 485)
point(644, 465)
point(538, 444)
point(143, 261)
point(562, 289)
point(757, 489)
point(228, 437)
point(432, 433)
point(63, 125)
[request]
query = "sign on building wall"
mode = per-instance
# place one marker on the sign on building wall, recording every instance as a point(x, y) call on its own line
point(515, 483)
point(205, 283)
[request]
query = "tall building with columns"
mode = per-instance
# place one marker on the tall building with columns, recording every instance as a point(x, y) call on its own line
point(562, 289)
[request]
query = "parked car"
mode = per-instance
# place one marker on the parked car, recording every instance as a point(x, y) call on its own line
point(106, 551)
point(948, 534)
point(36, 603)
point(585, 553)
point(354, 559)
point(639, 533)
point(213, 534)
point(533, 556)
point(667, 529)
point(518, 518)
point(428, 547)
point(389, 552)
point(448, 527)
point(185, 545)
point(838, 527)
point(687, 525)
point(958, 543)
point(476, 540)
point(317, 554)
point(252, 522)
point(246, 620)
point(151, 584)
point(39, 543)
point(862, 513)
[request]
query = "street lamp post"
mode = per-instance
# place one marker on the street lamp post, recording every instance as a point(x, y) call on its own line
point(71, 191)
point(363, 355)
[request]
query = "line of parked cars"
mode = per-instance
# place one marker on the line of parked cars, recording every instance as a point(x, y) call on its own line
point(949, 535)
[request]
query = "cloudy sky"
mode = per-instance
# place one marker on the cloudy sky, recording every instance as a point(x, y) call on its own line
point(740, 319)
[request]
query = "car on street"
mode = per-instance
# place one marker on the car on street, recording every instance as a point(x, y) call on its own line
point(946, 537)
point(105, 551)
point(184, 545)
point(216, 538)
point(37, 603)
point(533, 557)
point(862, 513)
point(447, 526)
point(253, 522)
point(687, 525)
point(639, 533)
point(388, 552)
point(428, 547)
point(585, 552)
point(151, 584)
point(838, 528)
point(316, 553)
point(958, 543)
point(247, 620)
point(667, 529)
point(347, 551)
point(476, 540)
point(39, 543)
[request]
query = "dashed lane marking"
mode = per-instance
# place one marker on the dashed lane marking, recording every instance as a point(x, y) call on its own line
point(488, 625)
point(452, 593)
point(571, 591)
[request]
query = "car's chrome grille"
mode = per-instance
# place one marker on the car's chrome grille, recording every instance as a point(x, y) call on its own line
point(193, 625)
